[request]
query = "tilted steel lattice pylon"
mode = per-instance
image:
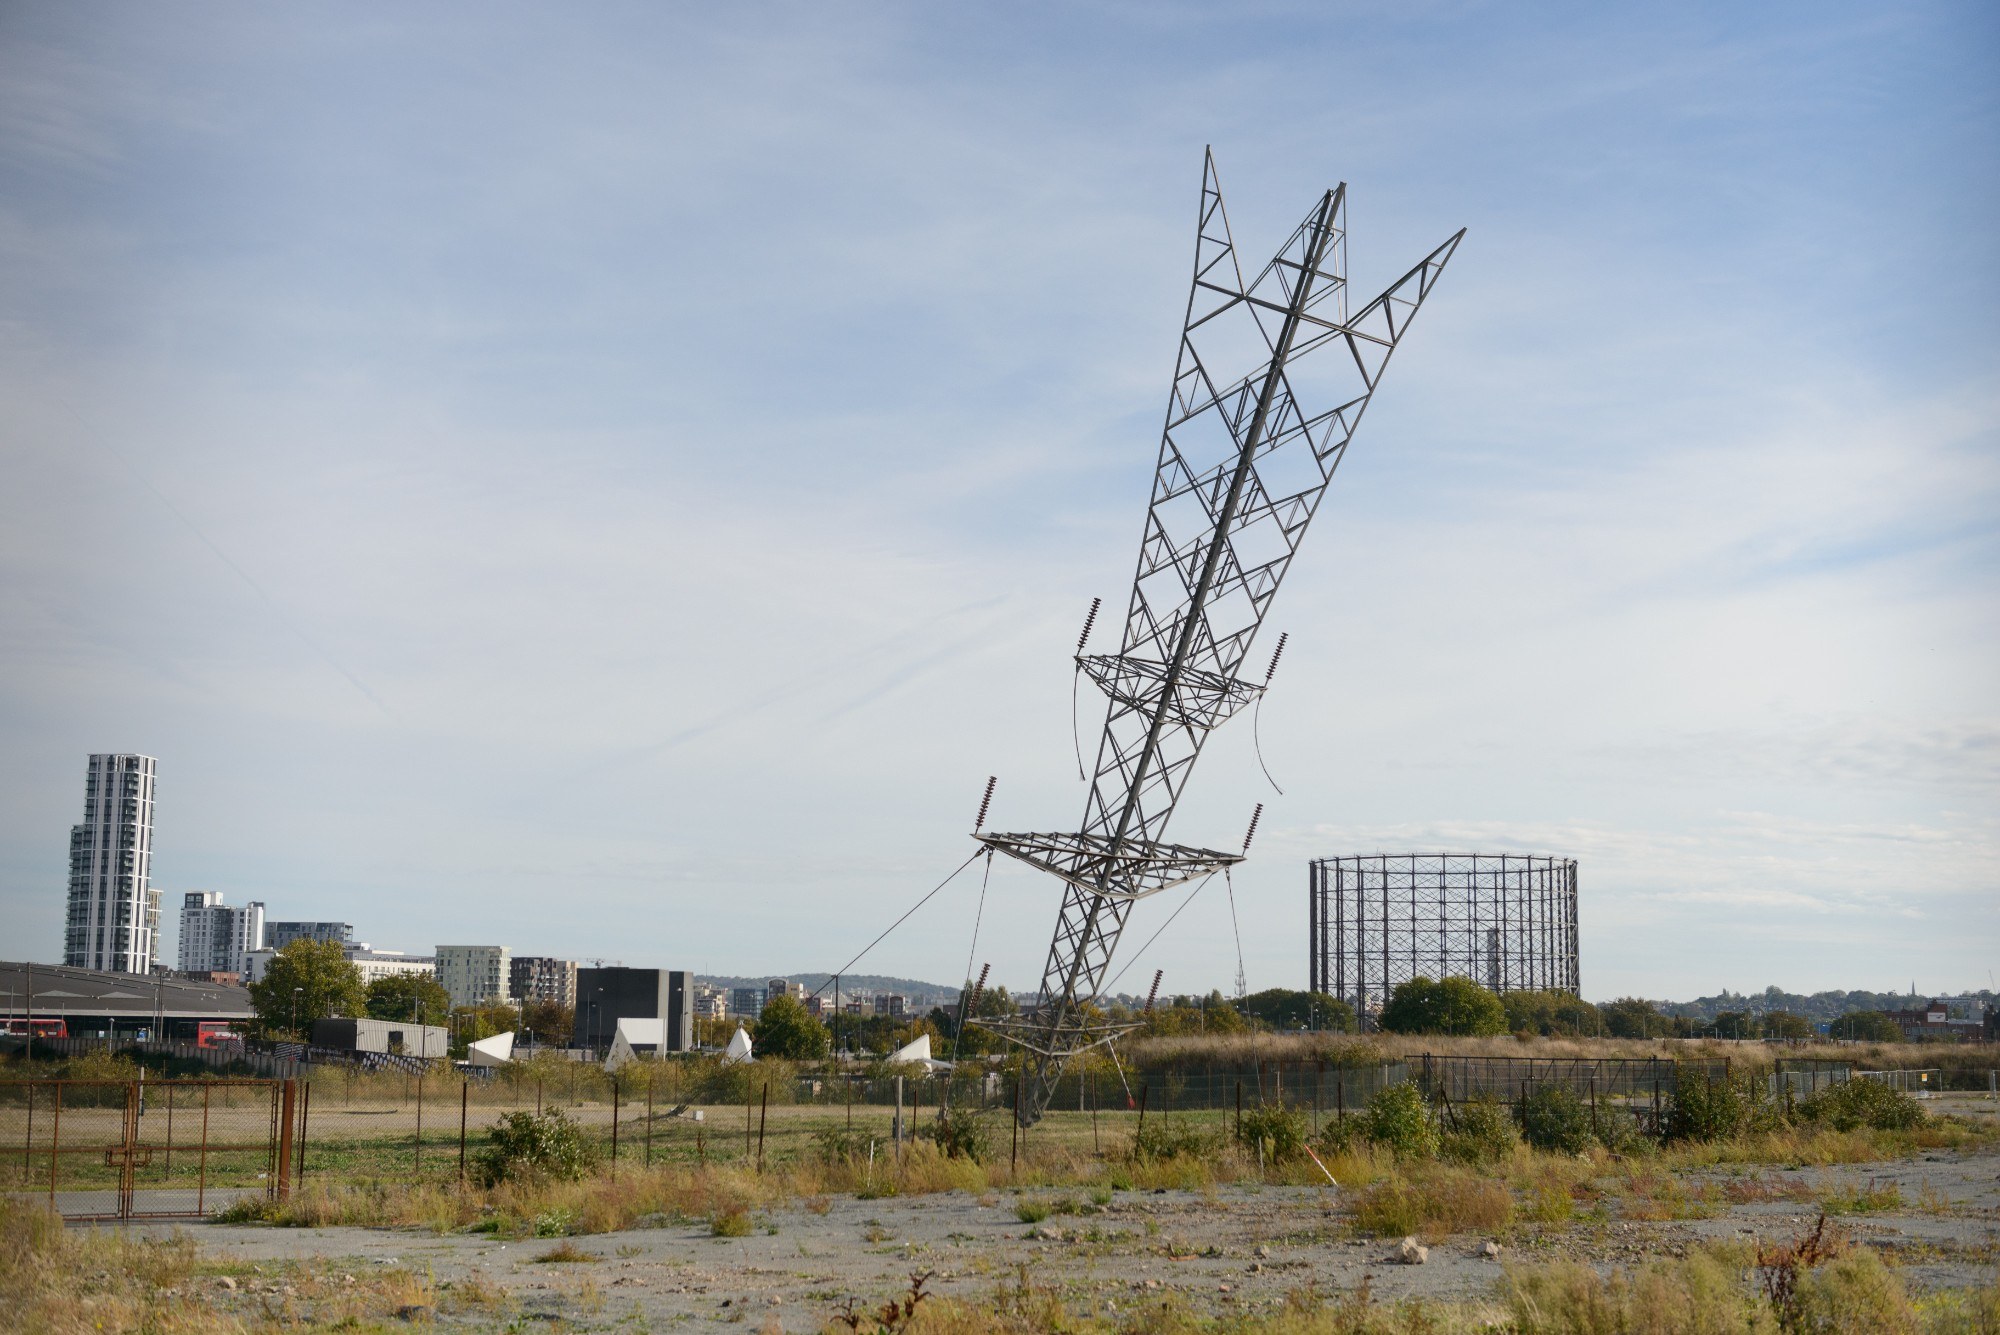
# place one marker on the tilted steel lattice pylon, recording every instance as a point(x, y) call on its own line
point(1243, 464)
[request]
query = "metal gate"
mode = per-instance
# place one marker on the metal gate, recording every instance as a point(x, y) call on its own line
point(148, 1149)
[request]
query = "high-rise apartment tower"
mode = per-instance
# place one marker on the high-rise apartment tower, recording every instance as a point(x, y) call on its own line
point(114, 912)
point(216, 938)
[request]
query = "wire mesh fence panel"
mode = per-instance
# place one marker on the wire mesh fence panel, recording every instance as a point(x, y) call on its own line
point(1507, 1079)
point(118, 1149)
point(1921, 1083)
point(1796, 1078)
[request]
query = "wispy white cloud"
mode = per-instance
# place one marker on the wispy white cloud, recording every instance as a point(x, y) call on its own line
point(704, 433)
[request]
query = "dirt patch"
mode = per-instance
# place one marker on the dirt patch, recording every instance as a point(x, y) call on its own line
point(1234, 1250)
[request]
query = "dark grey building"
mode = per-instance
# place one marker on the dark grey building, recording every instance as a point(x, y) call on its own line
point(606, 996)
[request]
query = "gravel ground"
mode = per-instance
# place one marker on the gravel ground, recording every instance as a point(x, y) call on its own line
point(1231, 1250)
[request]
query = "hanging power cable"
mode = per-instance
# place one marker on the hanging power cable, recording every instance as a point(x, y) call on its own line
point(899, 922)
point(1076, 682)
point(1156, 935)
point(1242, 986)
point(977, 918)
point(1257, 714)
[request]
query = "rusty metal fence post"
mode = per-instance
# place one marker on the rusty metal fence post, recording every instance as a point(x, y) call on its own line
point(286, 1114)
point(305, 1112)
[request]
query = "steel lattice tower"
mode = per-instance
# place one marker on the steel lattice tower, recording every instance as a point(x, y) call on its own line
point(1243, 465)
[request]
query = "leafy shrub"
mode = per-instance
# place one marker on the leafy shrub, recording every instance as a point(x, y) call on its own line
point(1619, 1131)
point(1705, 1110)
point(1031, 1210)
point(1482, 1132)
point(960, 1132)
point(1162, 1138)
point(1854, 1104)
point(1553, 1118)
point(553, 1224)
point(1340, 1135)
point(730, 1223)
point(525, 1144)
point(1397, 1120)
point(1275, 1131)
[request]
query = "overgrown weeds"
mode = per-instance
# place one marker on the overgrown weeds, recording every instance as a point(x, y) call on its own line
point(1436, 1203)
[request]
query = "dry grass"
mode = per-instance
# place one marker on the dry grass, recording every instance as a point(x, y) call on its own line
point(1435, 1204)
point(1866, 1199)
point(58, 1281)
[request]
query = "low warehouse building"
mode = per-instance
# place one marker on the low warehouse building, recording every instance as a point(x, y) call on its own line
point(130, 1007)
point(395, 1038)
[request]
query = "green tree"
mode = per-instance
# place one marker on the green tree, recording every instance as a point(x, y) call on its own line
point(1452, 1006)
point(1868, 1026)
point(551, 1021)
point(414, 998)
point(469, 1024)
point(786, 1029)
point(1734, 1024)
point(1551, 1014)
point(1282, 1008)
point(1784, 1024)
point(306, 981)
point(1629, 1017)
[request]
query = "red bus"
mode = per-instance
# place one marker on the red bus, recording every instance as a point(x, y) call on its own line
point(42, 1028)
point(216, 1034)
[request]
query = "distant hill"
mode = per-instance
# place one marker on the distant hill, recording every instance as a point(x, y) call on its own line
point(1817, 1006)
point(849, 982)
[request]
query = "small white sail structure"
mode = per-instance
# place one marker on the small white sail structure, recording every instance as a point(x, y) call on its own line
point(917, 1052)
point(635, 1035)
point(738, 1049)
point(495, 1051)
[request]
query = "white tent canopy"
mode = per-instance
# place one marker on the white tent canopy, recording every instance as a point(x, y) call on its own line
point(738, 1049)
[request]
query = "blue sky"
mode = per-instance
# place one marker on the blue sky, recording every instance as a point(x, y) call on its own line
point(616, 479)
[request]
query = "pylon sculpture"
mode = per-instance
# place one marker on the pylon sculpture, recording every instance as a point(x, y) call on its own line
point(1245, 457)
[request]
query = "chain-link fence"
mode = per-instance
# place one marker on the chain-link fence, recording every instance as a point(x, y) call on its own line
point(130, 1149)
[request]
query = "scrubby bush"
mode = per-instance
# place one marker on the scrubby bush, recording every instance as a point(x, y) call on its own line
point(1275, 1132)
point(1553, 1118)
point(960, 1132)
point(1162, 1138)
point(1397, 1120)
point(834, 1144)
point(1701, 1109)
point(525, 1144)
point(1853, 1104)
point(1482, 1132)
point(1619, 1131)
